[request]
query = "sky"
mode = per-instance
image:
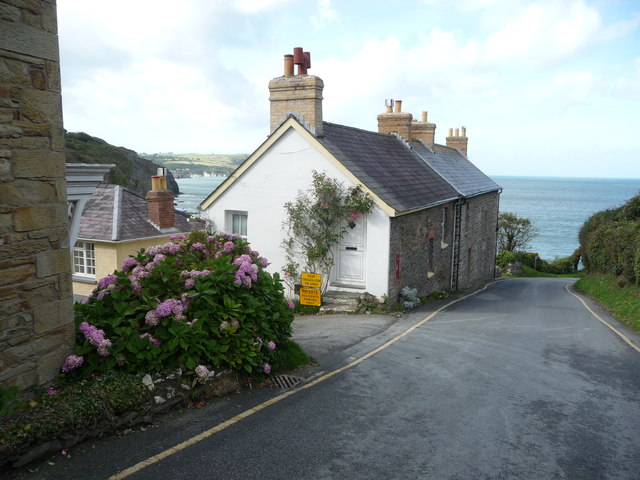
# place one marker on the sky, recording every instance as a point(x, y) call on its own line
point(544, 88)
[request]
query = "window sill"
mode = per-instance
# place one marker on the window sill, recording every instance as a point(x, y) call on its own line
point(82, 279)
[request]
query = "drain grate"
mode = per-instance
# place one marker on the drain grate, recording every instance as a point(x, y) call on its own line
point(286, 381)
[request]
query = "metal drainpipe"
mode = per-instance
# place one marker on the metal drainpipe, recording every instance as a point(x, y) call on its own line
point(495, 244)
point(455, 244)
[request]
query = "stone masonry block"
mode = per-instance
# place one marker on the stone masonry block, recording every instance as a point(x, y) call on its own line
point(27, 143)
point(49, 17)
point(24, 192)
point(23, 375)
point(53, 262)
point(30, 164)
point(39, 217)
point(16, 275)
point(5, 170)
point(13, 71)
point(40, 106)
point(53, 315)
point(23, 249)
point(27, 40)
point(9, 13)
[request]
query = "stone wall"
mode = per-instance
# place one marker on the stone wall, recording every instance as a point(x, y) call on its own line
point(424, 240)
point(36, 316)
point(425, 253)
point(478, 240)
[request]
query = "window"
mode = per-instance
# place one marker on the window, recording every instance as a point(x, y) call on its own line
point(237, 223)
point(84, 259)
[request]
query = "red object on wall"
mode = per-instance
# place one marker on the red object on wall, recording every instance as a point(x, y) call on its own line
point(397, 266)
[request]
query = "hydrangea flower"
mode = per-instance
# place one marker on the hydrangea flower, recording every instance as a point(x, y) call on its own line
point(129, 263)
point(263, 262)
point(228, 247)
point(271, 345)
point(168, 307)
point(291, 305)
point(148, 336)
point(266, 368)
point(106, 281)
point(189, 283)
point(247, 271)
point(72, 362)
point(151, 318)
point(96, 338)
point(202, 373)
point(223, 325)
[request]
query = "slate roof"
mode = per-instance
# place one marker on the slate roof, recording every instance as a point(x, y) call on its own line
point(130, 212)
point(454, 167)
point(405, 177)
point(387, 166)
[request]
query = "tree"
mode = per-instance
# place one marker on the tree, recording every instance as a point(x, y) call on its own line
point(514, 233)
point(315, 222)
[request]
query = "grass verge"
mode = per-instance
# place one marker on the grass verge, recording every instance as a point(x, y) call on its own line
point(623, 302)
point(530, 272)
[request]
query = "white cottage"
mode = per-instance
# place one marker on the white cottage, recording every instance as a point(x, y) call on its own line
point(434, 223)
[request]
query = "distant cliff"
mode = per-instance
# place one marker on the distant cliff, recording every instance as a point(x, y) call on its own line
point(131, 171)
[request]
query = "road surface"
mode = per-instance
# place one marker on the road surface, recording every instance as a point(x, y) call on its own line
point(519, 381)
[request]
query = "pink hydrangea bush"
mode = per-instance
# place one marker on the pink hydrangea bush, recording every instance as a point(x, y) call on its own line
point(188, 304)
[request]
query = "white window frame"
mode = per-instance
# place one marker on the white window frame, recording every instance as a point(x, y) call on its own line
point(230, 216)
point(84, 259)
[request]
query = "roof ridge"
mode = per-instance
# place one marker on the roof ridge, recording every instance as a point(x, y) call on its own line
point(117, 210)
point(371, 132)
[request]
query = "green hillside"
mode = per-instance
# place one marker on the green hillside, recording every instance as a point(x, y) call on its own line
point(131, 170)
point(188, 164)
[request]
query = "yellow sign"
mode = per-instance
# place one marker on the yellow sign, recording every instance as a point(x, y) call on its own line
point(310, 296)
point(311, 280)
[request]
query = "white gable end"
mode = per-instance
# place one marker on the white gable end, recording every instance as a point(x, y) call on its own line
point(275, 178)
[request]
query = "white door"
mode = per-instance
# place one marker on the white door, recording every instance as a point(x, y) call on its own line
point(350, 256)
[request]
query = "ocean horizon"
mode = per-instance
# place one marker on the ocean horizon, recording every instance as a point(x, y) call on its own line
point(557, 206)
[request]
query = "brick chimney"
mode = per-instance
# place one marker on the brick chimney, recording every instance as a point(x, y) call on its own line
point(160, 202)
point(395, 121)
point(457, 140)
point(299, 94)
point(424, 130)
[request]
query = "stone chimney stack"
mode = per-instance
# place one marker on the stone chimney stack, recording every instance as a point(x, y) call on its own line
point(160, 202)
point(299, 94)
point(424, 130)
point(395, 121)
point(458, 140)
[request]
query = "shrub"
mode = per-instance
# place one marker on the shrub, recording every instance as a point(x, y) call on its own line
point(562, 265)
point(409, 297)
point(610, 240)
point(316, 221)
point(184, 304)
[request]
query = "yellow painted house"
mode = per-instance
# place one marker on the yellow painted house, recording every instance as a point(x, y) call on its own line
point(118, 222)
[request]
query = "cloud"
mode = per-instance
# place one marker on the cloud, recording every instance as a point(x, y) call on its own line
point(253, 7)
point(325, 15)
point(542, 34)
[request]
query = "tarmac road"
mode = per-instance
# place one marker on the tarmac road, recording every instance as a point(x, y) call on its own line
point(519, 381)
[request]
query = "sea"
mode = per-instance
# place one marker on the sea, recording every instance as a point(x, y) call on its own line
point(557, 206)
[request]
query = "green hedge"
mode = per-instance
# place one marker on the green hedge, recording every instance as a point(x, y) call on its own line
point(610, 241)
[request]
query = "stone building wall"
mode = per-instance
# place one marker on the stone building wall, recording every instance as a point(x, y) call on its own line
point(478, 240)
point(36, 315)
point(425, 241)
point(425, 253)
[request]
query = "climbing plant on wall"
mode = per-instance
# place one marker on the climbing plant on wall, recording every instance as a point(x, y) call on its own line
point(316, 221)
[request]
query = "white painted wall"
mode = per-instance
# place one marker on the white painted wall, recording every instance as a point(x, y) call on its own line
point(276, 178)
